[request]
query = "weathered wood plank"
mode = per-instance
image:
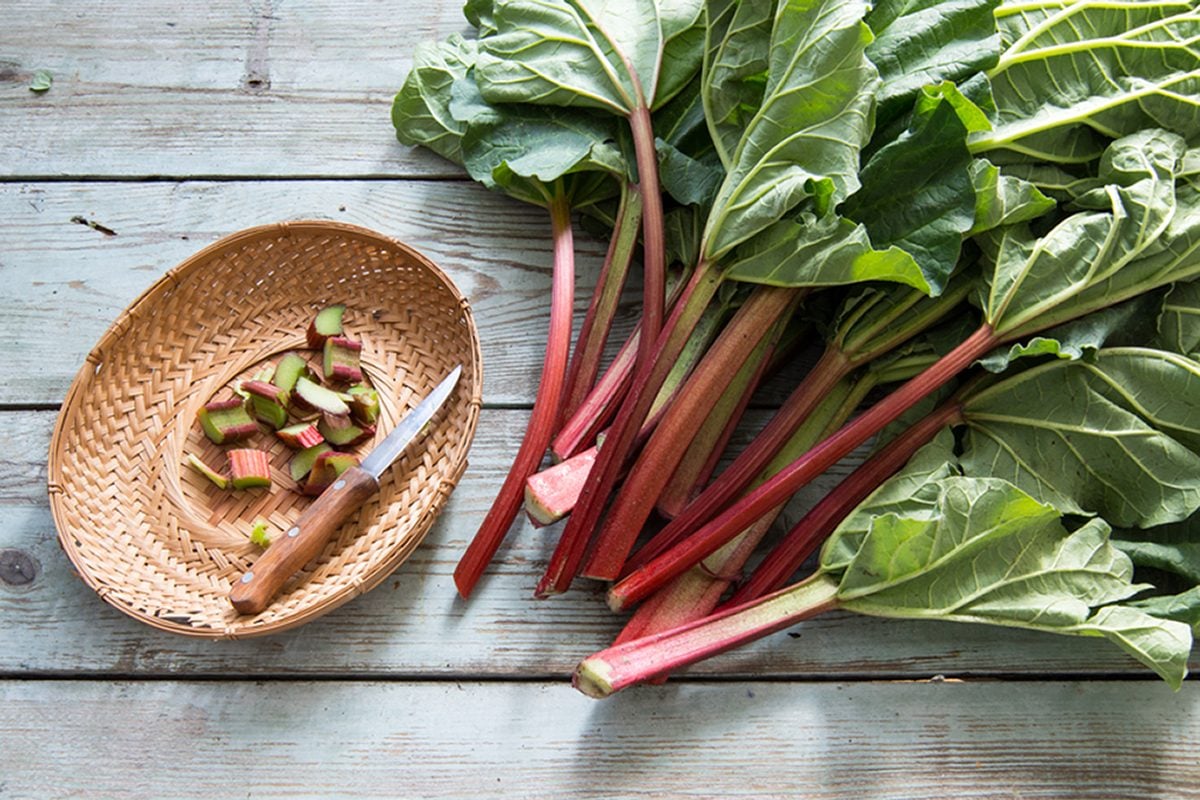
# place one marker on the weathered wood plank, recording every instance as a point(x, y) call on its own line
point(225, 88)
point(62, 284)
point(752, 740)
point(413, 625)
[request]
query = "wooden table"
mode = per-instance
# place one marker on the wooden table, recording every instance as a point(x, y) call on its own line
point(173, 124)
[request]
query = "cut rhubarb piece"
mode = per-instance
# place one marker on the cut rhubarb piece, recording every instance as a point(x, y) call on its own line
point(364, 404)
point(328, 322)
point(342, 359)
point(219, 480)
point(226, 421)
point(300, 436)
point(342, 431)
point(268, 401)
point(291, 368)
point(302, 462)
point(326, 469)
point(551, 494)
point(319, 398)
point(261, 535)
point(250, 469)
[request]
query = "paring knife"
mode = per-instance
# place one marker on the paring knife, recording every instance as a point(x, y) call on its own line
point(304, 540)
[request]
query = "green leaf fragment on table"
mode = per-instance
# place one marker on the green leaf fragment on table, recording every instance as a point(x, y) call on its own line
point(42, 81)
point(421, 109)
point(986, 552)
point(1112, 436)
point(803, 143)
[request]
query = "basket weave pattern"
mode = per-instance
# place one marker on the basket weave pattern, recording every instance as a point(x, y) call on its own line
point(159, 541)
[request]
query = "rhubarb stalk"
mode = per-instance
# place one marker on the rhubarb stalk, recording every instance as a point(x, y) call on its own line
point(757, 317)
point(636, 661)
point(545, 409)
point(649, 577)
point(585, 361)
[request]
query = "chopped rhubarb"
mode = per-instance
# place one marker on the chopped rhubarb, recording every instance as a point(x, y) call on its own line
point(291, 368)
point(342, 359)
point(551, 494)
point(341, 431)
point(364, 404)
point(328, 322)
point(300, 436)
point(250, 468)
point(326, 469)
point(268, 401)
point(260, 534)
point(219, 480)
point(227, 421)
point(313, 396)
point(302, 462)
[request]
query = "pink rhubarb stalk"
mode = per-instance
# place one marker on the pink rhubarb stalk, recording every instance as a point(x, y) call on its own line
point(646, 579)
point(595, 412)
point(585, 361)
point(667, 445)
point(643, 659)
point(545, 408)
point(811, 531)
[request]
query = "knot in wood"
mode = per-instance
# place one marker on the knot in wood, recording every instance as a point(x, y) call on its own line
point(17, 568)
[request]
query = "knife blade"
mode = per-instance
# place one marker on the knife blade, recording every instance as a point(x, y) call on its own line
point(258, 586)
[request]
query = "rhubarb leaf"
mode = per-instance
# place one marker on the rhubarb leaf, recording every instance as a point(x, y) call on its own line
point(1002, 199)
point(736, 59)
point(1116, 435)
point(1129, 323)
point(1183, 607)
point(421, 109)
point(987, 552)
point(1172, 548)
point(1031, 275)
point(803, 143)
point(1073, 76)
point(579, 52)
point(923, 42)
point(690, 181)
point(1179, 322)
point(917, 193)
point(829, 251)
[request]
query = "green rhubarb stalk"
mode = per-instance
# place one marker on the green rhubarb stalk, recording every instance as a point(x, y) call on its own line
point(327, 322)
point(218, 480)
point(225, 421)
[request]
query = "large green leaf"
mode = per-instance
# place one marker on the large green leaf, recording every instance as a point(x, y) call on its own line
point(1032, 275)
point(421, 109)
point(1109, 436)
point(912, 493)
point(987, 552)
point(923, 42)
point(1183, 607)
point(1179, 321)
point(917, 193)
point(1076, 74)
point(830, 251)
point(581, 52)
point(803, 143)
point(736, 53)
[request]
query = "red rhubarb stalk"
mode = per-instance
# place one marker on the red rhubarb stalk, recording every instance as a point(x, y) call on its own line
point(595, 412)
point(572, 546)
point(654, 268)
point(545, 408)
point(589, 348)
point(811, 531)
point(756, 318)
point(643, 659)
point(643, 581)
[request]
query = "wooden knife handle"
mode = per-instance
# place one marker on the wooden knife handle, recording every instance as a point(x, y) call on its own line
point(303, 541)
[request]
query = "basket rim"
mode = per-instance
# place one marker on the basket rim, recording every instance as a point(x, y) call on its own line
point(171, 278)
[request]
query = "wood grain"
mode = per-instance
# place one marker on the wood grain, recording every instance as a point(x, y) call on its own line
point(524, 740)
point(223, 88)
point(412, 624)
point(54, 271)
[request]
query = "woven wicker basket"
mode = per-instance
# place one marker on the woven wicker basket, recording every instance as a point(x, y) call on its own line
point(159, 541)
